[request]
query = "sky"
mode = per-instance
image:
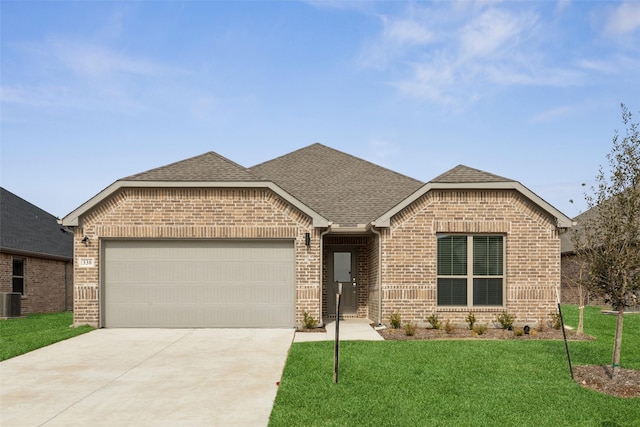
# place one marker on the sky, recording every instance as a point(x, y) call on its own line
point(94, 91)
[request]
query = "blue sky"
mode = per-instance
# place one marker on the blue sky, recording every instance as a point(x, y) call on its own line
point(95, 91)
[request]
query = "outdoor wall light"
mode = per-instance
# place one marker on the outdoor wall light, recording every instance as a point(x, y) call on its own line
point(307, 239)
point(85, 240)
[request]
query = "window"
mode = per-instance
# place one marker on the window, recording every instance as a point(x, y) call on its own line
point(470, 269)
point(18, 275)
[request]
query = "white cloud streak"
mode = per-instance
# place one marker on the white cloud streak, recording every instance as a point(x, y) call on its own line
point(624, 19)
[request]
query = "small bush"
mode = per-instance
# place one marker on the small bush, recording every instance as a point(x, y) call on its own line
point(471, 320)
point(542, 325)
point(395, 320)
point(479, 329)
point(410, 329)
point(434, 321)
point(448, 327)
point(518, 332)
point(556, 322)
point(506, 320)
point(308, 321)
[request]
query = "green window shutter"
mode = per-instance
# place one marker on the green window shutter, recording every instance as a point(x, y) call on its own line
point(452, 255)
point(452, 291)
point(487, 255)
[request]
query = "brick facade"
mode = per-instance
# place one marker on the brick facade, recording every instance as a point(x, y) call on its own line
point(397, 267)
point(194, 213)
point(46, 283)
point(532, 263)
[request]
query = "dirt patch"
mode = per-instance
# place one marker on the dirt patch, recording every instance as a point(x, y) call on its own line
point(495, 334)
point(598, 377)
point(312, 330)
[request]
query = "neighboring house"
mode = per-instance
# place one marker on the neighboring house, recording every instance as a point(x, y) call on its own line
point(205, 242)
point(36, 256)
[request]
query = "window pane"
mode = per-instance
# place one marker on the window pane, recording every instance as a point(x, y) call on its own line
point(452, 291)
point(18, 285)
point(342, 267)
point(487, 255)
point(487, 291)
point(18, 267)
point(452, 255)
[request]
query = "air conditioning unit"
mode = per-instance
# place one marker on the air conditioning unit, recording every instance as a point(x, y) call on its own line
point(10, 304)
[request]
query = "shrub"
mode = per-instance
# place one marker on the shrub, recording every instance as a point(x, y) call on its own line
point(308, 321)
point(542, 326)
point(518, 332)
point(410, 329)
point(471, 320)
point(556, 322)
point(479, 329)
point(395, 321)
point(506, 320)
point(434, 321)
point(448, 326)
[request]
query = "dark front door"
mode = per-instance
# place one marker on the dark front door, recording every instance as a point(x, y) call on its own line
point(342, 268)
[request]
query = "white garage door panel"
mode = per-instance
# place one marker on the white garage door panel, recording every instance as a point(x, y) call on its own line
point(199, 283)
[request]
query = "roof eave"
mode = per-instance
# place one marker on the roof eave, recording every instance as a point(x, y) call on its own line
point(562, 221)
point(73, 218)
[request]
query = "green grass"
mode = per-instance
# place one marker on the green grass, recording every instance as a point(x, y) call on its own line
point(25, 334)
point(456, 383)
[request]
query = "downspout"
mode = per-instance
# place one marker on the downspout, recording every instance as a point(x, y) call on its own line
point(376, 232)
point(321, 263)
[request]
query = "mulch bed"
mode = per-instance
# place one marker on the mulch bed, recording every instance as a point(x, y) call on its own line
point(492, 333)
point(598, 377)
point(626, 384)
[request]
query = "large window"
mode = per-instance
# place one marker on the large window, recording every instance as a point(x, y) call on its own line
point(470, 270)
point(18, 275)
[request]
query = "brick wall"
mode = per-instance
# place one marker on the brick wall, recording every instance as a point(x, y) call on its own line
point(44, 283)
point(532, 263)
point(202, 213)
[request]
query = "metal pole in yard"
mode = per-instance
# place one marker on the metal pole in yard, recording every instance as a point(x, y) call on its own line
point(566, 343)
point(336, 351)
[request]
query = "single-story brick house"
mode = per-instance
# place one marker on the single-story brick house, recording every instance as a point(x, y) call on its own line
point(36, 256)
point(205, 242)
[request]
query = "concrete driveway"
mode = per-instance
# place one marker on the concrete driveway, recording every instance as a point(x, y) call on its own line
point(147, 377)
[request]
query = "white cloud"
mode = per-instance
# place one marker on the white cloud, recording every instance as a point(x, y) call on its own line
point(405, 31)
point(552, 114)
point(624, 19)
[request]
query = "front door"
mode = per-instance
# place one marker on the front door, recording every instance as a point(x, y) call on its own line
point(343, 269)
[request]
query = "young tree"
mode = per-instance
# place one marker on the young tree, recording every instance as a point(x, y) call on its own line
point(608, 239)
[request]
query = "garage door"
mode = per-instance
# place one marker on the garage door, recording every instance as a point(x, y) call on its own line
point(199, 283)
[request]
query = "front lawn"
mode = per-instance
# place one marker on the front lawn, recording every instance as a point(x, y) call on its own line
point(25, 334)
point(452, 383)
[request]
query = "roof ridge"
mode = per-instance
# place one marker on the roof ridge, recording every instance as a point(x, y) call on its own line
point(480, 175)
point(342, 153)
point(189, 159)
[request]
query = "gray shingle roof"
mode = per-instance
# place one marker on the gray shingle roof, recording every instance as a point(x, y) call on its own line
point(345, 189)
point(25, 227)
point(462, 174)
point(205, 167)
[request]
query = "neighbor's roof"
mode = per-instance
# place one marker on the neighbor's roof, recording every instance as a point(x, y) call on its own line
point(27, 229)
point(347, 190)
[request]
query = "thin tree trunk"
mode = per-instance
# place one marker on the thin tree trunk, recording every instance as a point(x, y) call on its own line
point(580, 330)
point(618, 342)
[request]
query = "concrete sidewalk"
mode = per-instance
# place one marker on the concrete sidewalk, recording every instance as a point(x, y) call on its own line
point(350, 330)
point(147, 377)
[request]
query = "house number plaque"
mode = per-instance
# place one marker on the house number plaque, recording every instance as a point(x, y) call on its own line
point(86, 262)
